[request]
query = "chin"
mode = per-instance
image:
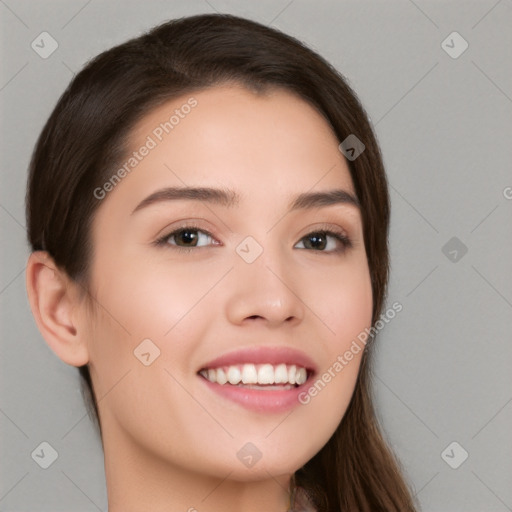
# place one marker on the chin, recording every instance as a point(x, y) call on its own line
point(248, 467)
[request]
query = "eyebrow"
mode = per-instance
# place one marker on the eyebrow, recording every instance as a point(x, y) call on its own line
point(229, 198)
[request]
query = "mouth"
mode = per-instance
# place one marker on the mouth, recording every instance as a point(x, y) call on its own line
point(262, 379)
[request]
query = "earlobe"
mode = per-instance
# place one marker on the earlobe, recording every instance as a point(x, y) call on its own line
point(57, 312)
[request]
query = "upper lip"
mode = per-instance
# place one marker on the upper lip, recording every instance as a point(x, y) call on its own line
point(261, 355)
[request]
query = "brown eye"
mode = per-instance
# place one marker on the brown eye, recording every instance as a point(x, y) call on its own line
point(316, 241)
point(325, 241)
point(186, 238)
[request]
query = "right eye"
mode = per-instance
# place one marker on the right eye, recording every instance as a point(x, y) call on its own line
point(186, 238)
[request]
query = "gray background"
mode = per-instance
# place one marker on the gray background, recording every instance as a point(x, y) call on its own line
point(443, 364)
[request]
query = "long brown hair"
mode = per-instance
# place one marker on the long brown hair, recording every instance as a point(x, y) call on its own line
point(86, 136)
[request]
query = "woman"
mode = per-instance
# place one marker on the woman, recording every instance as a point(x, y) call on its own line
point(208, 213)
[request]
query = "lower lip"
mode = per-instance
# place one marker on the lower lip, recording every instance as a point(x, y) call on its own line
point(259, 400)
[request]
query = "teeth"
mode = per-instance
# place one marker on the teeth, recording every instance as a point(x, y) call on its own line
point(234, 375)
point(281, 374)
point(301, 376)
point(264, 374)
point(221, 376)
point(291, 374)
point(249, 374)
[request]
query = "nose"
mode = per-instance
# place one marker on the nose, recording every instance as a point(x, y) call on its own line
point(264, 291)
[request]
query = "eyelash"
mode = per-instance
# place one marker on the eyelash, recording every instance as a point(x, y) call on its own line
point(341, 237)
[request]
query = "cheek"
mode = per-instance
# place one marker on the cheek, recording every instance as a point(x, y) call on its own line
point(344, 303)
point(149, 299)
point(150, 320)
point(342, 299)
point(146, 335)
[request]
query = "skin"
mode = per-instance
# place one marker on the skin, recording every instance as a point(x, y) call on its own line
point(171, 443)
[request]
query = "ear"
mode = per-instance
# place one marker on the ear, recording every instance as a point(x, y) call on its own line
point(57, 311)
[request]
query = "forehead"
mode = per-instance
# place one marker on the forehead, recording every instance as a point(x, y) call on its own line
point(264, 145)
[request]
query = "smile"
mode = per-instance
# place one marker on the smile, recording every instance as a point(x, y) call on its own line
point(258, 376)
point(264, 379)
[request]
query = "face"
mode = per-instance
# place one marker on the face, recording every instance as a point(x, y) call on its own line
point(242, 281)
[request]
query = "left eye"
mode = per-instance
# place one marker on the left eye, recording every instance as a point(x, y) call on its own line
point(325, 241)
